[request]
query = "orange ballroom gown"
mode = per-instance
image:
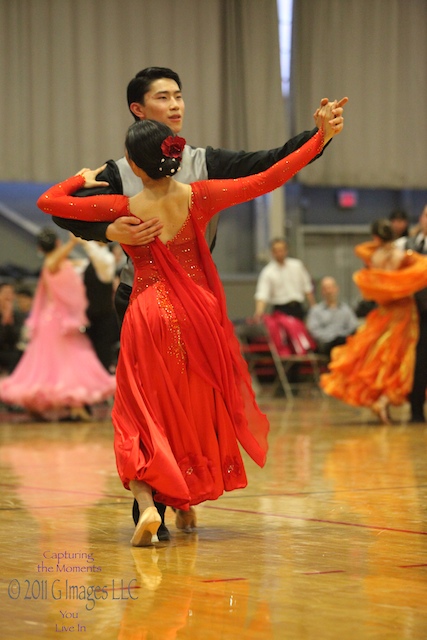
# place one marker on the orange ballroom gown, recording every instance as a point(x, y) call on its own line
point(379, 358)
point(184, 399)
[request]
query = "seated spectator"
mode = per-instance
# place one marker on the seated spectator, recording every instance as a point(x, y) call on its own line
point(11, 323)
point(24, 302)
point(283, 283)
point(330, 322)
point(24, 299)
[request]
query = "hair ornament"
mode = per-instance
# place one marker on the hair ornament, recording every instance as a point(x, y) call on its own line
point(173, 146)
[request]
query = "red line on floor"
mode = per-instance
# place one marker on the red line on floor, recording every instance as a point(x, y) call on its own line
point(322, 521)
point(224, 580)
point(318, 573)
point(297, 494)
point(51, 490)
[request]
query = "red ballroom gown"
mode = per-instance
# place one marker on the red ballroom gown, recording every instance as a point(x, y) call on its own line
point(184, 398)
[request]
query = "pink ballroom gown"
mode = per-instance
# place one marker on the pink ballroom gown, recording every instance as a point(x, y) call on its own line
point(59, 368)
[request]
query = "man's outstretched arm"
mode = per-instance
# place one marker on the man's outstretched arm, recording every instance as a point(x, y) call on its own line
point(223, 163)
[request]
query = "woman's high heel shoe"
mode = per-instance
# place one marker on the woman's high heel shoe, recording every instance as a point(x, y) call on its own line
point(186, 520)
point(80, 414)
point(380, 408)
point(146, 528)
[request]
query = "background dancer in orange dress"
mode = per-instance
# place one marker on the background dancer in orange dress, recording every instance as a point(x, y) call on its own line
point(376, 365)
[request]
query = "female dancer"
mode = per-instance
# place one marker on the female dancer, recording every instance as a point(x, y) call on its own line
point(375, 367)
point(59, 369)
point(184, 398)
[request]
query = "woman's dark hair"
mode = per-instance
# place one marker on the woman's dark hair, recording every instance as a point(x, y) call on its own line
point(143, 144)
point(141, 83)
point(46, 240)
point(383, 229)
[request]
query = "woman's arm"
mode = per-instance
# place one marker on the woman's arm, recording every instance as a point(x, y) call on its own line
point(223, 163)
point(111, 184)
point(58, 201)
point(55, 257)
point(212, 196)
point(125, 229)
point(364, 250)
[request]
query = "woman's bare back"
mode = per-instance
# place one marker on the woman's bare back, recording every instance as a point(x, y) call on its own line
point(387, 257)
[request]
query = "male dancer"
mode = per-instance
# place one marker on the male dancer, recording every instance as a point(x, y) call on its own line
point(417, 397)
point(155, 94)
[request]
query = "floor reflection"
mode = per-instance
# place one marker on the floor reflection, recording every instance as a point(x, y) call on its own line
point(328, 540)
point(222, 608)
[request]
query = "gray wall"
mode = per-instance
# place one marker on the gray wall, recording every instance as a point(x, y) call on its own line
point(319, 232)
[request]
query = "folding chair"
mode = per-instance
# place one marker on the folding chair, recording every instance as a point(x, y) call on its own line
point(281, 349)
point(255, 348)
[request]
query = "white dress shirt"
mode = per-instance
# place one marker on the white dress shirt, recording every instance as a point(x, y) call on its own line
point(283, 283)
point(102, 260)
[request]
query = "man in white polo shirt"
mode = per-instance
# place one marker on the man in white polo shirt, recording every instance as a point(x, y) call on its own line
point(284, 283)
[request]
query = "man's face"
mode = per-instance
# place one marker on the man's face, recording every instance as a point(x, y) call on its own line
point(423, 221)
point(329, 290)
point(279, 251)
point(164, 103)
point(24, 302)
point(7, 293)
point(399, 227)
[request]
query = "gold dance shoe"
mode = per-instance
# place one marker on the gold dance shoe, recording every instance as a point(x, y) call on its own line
point(380, 408)
point(80, 414)
point(186, 520)
point(146, 528)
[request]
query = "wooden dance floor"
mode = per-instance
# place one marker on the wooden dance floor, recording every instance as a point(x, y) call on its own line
point(328, 541)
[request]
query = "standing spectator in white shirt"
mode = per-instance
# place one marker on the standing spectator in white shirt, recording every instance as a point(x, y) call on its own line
point(99, 270)
point(284, 283)
point(330, 322)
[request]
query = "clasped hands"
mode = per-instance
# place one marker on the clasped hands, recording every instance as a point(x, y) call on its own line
point(329, 117)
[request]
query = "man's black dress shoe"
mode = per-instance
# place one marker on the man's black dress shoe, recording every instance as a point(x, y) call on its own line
point(163, 533)
point(135, 512)
point(417, 419)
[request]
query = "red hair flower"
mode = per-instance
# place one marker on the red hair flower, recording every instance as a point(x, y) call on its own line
point(173, 146)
